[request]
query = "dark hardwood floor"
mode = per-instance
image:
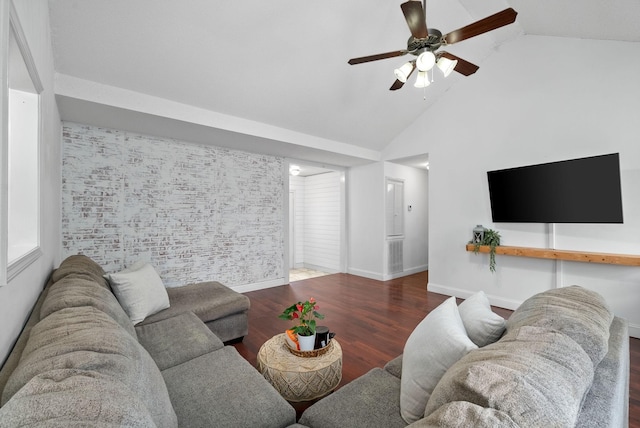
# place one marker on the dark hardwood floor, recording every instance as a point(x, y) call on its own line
point(371, 319)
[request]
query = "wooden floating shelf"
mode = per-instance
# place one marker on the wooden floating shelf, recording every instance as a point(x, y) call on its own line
point(573, 256)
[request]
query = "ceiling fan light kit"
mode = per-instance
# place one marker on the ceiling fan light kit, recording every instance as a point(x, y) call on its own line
point(446, 65)
point(403, 73)
point(425, 42)
point(422, 81)
point(426, 60)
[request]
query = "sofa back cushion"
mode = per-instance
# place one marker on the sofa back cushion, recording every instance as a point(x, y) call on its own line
point(471, 415)
point(581, 314)
point(72, 291)
point(83, 267)
point(538, 377)
point(85, 338)
point(75, 398)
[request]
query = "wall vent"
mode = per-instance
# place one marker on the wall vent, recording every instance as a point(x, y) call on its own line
point(395, 256)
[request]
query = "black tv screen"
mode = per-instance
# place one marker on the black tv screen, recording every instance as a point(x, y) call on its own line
point(585, 190)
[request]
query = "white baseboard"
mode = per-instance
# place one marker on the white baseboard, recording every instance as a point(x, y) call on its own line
point(365, 273)
point(406, 272)
point(386, 277)
point(463, 294)
point(260, 285)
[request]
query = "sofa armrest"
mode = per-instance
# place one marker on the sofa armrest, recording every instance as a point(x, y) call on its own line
point(173, 341)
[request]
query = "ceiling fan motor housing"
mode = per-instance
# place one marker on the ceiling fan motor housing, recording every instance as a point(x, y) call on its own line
point(432, 42)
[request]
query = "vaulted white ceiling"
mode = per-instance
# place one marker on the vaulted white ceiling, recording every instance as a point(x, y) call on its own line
point(273, 76)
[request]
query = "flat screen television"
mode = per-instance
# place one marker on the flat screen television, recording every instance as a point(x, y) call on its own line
point(585, 190)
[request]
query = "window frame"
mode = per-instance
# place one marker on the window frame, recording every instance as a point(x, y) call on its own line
point(11, 29)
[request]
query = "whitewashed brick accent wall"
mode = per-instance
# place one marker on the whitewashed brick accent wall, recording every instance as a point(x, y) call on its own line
point(195, 212)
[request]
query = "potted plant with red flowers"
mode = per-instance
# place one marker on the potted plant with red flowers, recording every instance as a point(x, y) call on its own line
point(304, 314)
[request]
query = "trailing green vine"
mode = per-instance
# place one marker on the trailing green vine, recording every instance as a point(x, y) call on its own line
point(491, 238)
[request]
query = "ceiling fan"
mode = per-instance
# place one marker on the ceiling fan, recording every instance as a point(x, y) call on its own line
point(425, 42)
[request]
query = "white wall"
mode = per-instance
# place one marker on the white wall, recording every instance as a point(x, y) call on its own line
point(296, 185)
point(416, 221)
point(322, 221)
point(18, 297)
point(365, 214)
point(537, 99)
point(197, 213)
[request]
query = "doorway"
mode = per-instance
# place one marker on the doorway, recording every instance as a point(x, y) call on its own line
point(316, 221)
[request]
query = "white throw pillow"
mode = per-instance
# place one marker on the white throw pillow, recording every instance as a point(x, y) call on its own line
point(434, 345)
point(482, 324)
point(139, 290)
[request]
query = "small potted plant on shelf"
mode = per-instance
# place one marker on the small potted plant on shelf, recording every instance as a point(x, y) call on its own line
point(491, 238)
point(304, 313)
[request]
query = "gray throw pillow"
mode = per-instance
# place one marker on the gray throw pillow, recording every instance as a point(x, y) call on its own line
point(482, 324)
point(140, 291)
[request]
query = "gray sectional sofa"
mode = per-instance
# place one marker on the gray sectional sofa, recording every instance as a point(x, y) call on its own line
point(81, 362)
point(562, 362)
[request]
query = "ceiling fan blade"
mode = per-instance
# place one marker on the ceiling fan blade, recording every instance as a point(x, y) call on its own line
point(415, 16)
point(369, 58)
point(463, 67)
point(396, 85)
point(489, 23)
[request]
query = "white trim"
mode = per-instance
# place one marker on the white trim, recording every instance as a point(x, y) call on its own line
point(5, 32)
point(10, 27)
point(366, 274)
point(463, 294)
point(260, 285)
point(406, 272)
point(21, 40)
point(22, 263)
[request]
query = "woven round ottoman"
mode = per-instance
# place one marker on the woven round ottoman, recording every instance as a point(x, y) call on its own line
point(300, 378)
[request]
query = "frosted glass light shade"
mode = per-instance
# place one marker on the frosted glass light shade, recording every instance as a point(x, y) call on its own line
point(426, 61)
point(402, 73)
point(446, 65)
point(422, 81)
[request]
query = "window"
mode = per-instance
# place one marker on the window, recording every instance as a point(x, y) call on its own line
point(20, 157)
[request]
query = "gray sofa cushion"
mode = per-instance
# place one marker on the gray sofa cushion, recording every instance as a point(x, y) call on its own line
point(81, 266)
point(85, 338)
point(462, 414)
point(75, 398)
point(222, 389)
point(175, 340)
point(577, 312)
point(208, 300)
point(73, 291)
point(370, 400)
point(537, 376)
point(395, 366)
